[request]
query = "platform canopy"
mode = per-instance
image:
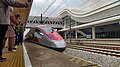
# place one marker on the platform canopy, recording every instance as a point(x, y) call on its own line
point(24, 12)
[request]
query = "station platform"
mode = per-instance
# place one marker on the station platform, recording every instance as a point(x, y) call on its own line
point(45, 57)
point(14, 59)
point(38, 57)
point(32, 55)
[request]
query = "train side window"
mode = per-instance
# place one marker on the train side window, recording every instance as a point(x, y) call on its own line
point(37, 33)
point(37, 30)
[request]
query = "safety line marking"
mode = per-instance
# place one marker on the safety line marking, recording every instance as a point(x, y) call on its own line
point(26, 58)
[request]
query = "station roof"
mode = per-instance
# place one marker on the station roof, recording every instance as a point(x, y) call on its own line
point(55, 7)
point(97, 5)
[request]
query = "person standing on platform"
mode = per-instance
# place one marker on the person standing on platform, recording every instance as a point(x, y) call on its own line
point(20, 33)
point(10, 34)
point(5, 19)
point(17, 16)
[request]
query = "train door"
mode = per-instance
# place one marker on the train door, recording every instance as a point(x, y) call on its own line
point(39, 36)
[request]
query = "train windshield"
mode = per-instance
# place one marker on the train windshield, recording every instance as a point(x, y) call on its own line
point(48, 29)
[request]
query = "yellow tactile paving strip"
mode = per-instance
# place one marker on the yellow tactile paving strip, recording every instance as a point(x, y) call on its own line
point(14, 59)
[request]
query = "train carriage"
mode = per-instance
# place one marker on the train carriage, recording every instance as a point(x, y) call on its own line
point(46, 36)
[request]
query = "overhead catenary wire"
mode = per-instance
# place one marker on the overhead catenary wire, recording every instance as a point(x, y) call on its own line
point(61, 3)
point(92, 4)
point(42, 6)
point(86, 7)
point(49, 6)
point(82, 4)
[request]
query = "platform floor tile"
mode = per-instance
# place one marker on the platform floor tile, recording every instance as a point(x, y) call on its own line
point(14, 59)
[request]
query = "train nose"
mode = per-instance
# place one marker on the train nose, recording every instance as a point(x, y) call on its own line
point(59, 44)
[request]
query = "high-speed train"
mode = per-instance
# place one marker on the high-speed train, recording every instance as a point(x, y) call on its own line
point(46, 36)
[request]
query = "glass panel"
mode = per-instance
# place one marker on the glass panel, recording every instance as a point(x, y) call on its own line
point(48, 29)
point(38, 35)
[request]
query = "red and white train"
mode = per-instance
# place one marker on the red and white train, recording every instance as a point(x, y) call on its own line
point(46, 36)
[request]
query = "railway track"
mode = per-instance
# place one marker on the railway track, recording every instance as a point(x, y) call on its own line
point(106, 49)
